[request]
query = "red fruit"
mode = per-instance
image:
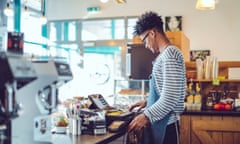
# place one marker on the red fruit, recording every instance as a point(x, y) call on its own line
point(228, 107)
point(216, 106)
point(222, 106)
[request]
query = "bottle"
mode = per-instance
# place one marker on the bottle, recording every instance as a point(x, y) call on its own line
point(237, 103)
point(190, 97)
point(209, 102)
point(197, 98)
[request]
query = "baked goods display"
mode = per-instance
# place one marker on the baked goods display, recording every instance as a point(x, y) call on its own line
point(130, 92)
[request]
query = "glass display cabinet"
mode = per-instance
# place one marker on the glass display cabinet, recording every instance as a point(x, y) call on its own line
point(129, 91)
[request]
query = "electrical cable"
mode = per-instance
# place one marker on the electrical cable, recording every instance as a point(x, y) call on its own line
point(124, 138)
point(177, 132)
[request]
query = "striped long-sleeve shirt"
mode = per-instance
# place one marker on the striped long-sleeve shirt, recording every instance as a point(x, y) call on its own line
point(170, 84)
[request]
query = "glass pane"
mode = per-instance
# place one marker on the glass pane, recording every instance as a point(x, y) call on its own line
point(35, 49)
point(96, 30)
point(53, 32)
point(131, 24)
point(72, 31)
point(63, 31)
point(119, 29)
point(10, 24)
point(62, 50)
point(32, 28)
point(103, 29)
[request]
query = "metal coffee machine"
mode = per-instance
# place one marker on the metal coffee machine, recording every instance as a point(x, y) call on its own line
point(39, 101)
point(15, 73)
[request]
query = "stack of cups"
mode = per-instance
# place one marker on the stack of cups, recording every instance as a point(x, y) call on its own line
point(75, 126)
point(199, 66)
point(207, 68)
point(215, 68)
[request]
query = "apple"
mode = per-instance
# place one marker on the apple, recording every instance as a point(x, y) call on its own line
point(222, 105)
point(216, 106)
point(228, 107)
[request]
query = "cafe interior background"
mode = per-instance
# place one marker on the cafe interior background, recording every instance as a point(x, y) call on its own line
point(93, 35)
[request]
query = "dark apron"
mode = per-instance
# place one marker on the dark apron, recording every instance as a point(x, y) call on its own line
point(158, 128)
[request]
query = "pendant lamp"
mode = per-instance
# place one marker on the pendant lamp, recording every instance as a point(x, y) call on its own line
point(205, 4)
point(8, 11)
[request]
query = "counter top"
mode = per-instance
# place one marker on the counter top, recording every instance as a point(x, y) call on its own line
point(212, 112)
point(85, 138)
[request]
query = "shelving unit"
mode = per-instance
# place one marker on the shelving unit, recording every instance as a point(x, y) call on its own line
point(215, 127)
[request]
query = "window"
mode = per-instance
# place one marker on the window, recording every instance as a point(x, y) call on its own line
point(131, 24)
point(63, 31)
point(106, 29)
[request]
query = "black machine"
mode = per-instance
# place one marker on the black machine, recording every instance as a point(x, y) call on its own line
point(114, 123)
point(15, 73)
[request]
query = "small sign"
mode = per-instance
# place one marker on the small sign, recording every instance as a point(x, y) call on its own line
point(199, 54)
point(216, 82)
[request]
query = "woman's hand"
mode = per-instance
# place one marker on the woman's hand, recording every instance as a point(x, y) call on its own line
point(140, 105)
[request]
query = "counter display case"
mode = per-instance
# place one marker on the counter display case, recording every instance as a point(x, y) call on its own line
point(127, 92)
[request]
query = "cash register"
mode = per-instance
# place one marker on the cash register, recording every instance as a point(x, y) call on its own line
point(116, 120)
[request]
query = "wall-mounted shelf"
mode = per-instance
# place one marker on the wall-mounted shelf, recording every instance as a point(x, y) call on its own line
point(223, 67)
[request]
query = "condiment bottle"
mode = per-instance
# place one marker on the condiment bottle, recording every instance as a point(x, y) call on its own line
point(237, 103)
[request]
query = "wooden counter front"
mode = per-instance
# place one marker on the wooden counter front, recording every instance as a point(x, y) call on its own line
point(210, 128)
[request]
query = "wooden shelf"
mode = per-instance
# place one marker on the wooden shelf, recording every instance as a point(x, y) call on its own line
point(222, 64)
point(223, 67)
point(210, 80)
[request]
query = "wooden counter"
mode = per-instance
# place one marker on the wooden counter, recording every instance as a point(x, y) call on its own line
point(210, 127)
point(85, 138)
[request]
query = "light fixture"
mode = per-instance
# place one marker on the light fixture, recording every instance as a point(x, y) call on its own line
point(8, 11)
point(121, 1)
point(26, 12)
point(104, 1)
point(205, 4)
point(43, 19)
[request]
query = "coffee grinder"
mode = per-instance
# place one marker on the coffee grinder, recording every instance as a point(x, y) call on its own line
point(15, 73)
point(40, 100)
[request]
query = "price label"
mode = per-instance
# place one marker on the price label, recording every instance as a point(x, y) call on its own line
point(216, 82)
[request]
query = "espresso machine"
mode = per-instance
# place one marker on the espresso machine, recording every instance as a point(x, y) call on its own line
point(39, 100)
point(15, 73)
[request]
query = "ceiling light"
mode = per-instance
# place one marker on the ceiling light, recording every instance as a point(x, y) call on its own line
point(26, 12)
point(205, 4)
point(8, 11)
point(43, 19)
point(104, 1)
point(121, 1)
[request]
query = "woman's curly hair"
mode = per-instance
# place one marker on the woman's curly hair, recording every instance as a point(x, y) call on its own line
point(148, 20)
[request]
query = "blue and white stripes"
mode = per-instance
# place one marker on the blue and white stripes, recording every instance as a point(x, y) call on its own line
point(170, 82)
